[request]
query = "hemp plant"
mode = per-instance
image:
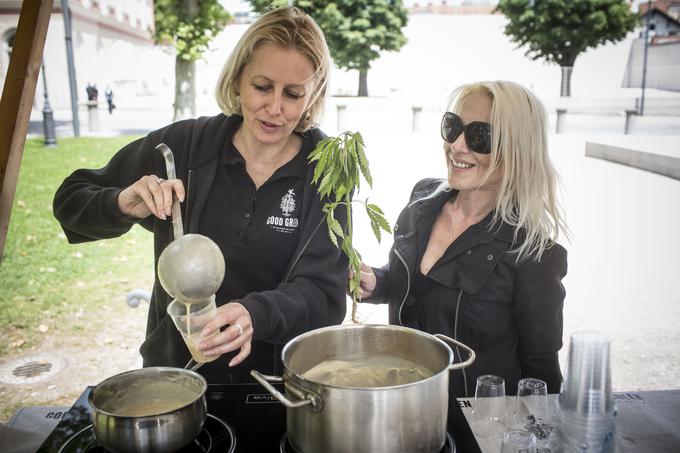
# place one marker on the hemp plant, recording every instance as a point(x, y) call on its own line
point(339, 163)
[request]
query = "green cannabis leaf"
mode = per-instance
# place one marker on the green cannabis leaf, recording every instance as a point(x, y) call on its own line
point(340, 163)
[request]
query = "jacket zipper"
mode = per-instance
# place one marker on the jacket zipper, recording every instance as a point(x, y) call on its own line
point(455, 322)
point(455, 337)
point(408, 284)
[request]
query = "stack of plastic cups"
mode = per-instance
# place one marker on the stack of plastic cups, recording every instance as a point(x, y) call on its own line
point(587, 409)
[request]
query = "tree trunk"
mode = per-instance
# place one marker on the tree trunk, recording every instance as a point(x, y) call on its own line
point(565, 86)
point(185, 89)
point(185, 74)
point(363, 82)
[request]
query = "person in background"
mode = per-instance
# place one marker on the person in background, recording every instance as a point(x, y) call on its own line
point(244, 181)
point(92, 92)
point(474, 256)
point(109, 99)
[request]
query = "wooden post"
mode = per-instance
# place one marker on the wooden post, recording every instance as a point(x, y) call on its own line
point(17, 99)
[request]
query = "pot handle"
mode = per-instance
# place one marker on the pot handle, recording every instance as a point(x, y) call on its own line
point(457, 366)
point(310, 399)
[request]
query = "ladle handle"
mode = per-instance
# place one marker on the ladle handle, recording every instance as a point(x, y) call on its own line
point(177, 227)
point(457, 366)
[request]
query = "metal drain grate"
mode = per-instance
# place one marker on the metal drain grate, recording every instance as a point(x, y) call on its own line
point(30, 369)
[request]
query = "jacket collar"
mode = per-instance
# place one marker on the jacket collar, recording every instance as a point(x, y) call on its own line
point(476, 251)
point(209, 141)
point(485, 230)
point(296, 167)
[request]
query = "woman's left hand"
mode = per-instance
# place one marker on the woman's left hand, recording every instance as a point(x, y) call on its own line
point(237, 335)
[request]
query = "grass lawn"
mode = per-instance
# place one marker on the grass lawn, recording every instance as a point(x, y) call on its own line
point(46, 284)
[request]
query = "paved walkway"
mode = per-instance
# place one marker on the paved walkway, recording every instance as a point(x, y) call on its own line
point(363, 114)
point(122, 122)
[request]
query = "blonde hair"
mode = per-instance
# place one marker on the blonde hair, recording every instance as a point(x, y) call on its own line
point(519, 147)
point(287, 27)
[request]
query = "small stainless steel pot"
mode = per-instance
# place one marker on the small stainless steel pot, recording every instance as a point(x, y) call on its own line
point(164, 432)
point(408, 418)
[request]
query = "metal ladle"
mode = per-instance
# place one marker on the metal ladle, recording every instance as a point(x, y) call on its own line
point(191, 268)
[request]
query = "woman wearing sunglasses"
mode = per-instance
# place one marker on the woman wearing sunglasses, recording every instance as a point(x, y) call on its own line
point(474, 256)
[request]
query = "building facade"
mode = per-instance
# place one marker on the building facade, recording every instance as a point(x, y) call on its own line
point(663, 52)
point(112, 47)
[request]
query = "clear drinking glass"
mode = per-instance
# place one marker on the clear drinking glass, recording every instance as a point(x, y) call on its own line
point(530, 411)
point(488, 409)
point(190, 320)
point(518, 441)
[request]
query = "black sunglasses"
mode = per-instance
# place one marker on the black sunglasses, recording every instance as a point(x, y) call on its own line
point(477, 134)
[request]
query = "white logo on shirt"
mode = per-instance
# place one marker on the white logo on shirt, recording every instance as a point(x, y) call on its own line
point(288, 203)
point(285, 224)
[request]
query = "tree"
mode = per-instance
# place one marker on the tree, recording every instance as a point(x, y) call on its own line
point(559, 30)
point(190, 25)
point(356, 30)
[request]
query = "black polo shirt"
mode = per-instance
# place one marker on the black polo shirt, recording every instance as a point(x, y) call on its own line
point(256, 229)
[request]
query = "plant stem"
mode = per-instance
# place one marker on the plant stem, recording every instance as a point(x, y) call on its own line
point(355, 301)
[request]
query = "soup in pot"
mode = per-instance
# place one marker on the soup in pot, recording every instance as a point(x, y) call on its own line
point(159, 398)
point(379, 371)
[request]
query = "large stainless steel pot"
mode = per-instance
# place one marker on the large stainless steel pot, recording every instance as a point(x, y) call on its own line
point(409, 418)
point(163, 432)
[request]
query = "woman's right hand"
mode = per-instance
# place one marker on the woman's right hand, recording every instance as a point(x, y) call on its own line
point(367, 281)
point(228, 339)
point(150, 195)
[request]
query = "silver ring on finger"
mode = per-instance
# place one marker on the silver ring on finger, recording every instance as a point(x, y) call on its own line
point(240, 328)
point(159, 181)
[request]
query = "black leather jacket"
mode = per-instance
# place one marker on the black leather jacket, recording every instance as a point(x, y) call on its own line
point(509, 313)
